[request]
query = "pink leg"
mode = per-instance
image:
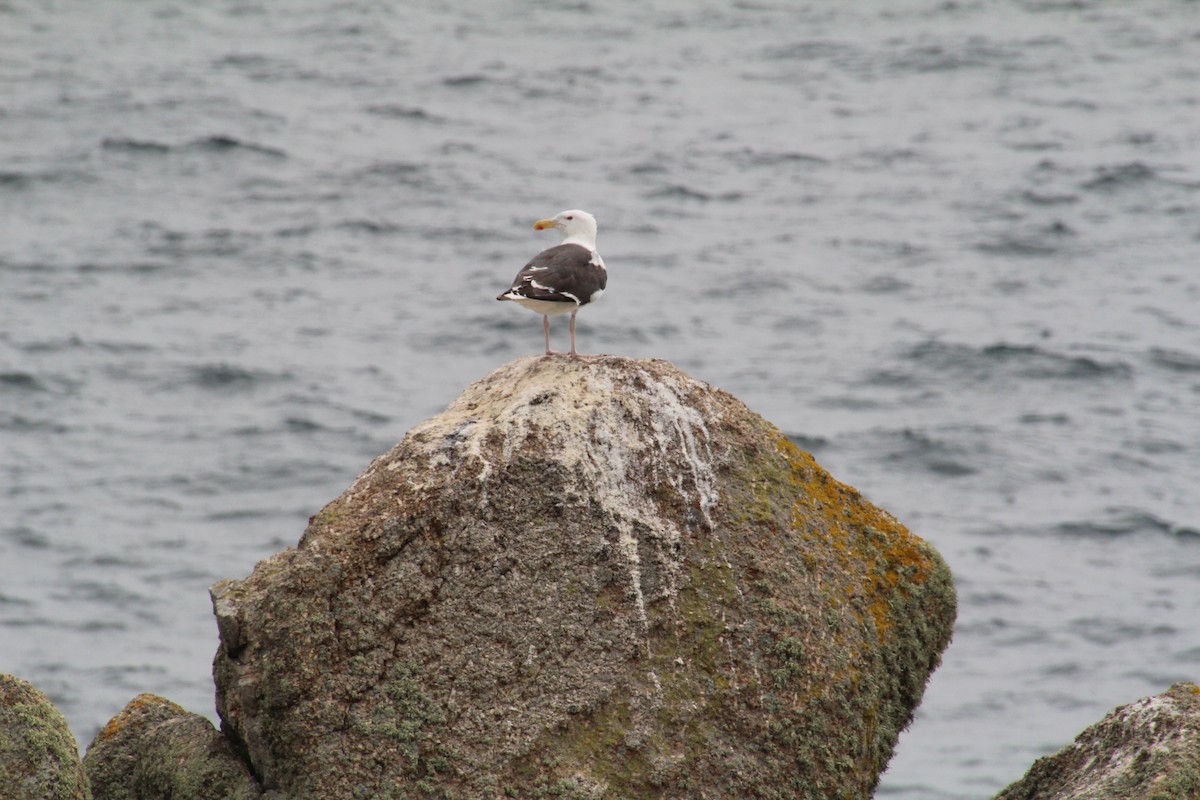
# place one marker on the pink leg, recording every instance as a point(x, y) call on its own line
point(573, 313)
point(546, 330)
point(574, 353)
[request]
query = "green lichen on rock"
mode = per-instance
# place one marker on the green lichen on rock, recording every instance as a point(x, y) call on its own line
point(1147, 750)
point(39, 759)
point(593, 579)
point(155, 750)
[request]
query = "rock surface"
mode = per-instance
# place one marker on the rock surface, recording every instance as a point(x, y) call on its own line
point(155, 750)
point(587, 578)
point(1148, 750)
point(38, 756)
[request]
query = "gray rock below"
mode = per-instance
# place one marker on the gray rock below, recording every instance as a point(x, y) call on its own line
point(1147, 750)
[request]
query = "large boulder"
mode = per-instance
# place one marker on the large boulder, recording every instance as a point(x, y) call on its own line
point(155, 750)
point(1147, 750)
point(587, 578)
point(39, 759)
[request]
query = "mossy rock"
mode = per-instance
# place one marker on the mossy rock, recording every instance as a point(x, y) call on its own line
point(587, 578)
point(155, 750)
point(39, 759)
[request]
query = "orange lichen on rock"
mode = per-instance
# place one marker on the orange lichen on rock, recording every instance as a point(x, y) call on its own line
point(858, 530)
point(132, 712)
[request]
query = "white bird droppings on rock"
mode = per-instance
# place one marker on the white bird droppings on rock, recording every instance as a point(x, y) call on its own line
point(593, 432)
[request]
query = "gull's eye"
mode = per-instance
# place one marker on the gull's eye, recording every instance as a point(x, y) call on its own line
point(570, 217)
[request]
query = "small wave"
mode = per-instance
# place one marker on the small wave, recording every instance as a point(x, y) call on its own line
point(1010, 286)
point(18, 180)
point(463, 81)
point(134, 146)
point(1071, 103)
point(111, 346)
point(755, 158)
point(805, 51)
point(1122, 522)
point(973, 53)
point(1109, 179)
point(251, 60)
point(1037, 146)
point(220, 143)
point(1045, 199)
point(1054, 6)
point(1007, 359)
point(1043, 241)
point(371, 417)
point(576, 8)
point(76, 342)
point(1153, 445)
point(19, 424)
point(751, 284)
point(885, 284)
point(295, 231)
point(241, 514)
point(1175, 360)
point(440, 233)
point(1044, 419)
point(939, 455)
point(1018, 247)
point(271, 69)
point(655, 167)
point(393, 172)
point(1047, 170)
point(680, 192)
point(849, 402)
point(1190, 656)
point(142, 267)
point(217, 143)
point(14, 180)
point(1043, 364)
point(71, 342)
point(882, 157)
point(21, 381)
point(212, 242)
point(104, 561)
point(25, 536)
point(887, 251)
point(890, 377)
point(396, 111)
point(368, 226)
point(302, 425)
point(108, 592)
point(228, 376)
point(992, 598)
point(1107, 631)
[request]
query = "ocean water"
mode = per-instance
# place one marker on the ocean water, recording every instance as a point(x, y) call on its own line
point(949, 247)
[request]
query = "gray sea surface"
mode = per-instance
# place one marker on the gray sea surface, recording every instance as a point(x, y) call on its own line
point(949, 247)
